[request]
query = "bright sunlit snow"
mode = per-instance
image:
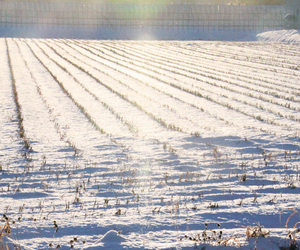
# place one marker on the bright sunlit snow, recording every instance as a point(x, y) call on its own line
point(149, 144)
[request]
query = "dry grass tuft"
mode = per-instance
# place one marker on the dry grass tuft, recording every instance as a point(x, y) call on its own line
point(232, 241)
point(4, 230)
point(288, 219)
point(256, 232)
point(292, 234)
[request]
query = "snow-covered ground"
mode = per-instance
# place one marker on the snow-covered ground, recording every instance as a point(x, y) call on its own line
point(280, 36)
point(149, 144)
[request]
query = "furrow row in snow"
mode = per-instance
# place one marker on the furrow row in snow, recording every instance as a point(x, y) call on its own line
point(191, 89)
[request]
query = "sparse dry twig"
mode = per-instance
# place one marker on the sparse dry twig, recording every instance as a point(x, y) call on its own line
point(6, 228)
point(256, 232)
point(4, 231)
point(288, 219)
point(228, 242)
point(292, 234)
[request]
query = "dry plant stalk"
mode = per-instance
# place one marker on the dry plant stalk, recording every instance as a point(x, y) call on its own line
point(256, 231)
point(288, 219)
point(292, 234)
point(228, 242)
point(4, 231)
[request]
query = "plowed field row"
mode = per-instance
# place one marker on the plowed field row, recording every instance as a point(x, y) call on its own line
point(150, 139)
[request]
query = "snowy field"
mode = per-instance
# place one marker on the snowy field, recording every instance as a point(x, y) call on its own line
point(149, 144)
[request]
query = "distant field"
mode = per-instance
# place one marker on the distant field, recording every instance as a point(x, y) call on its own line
point(136, 144)
point(234, 2)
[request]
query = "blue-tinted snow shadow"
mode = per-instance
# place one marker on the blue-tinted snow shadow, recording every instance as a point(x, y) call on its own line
point(25, 195)
point(130, 33)
point(227, 141)
point(238, 144)
point(242, 145)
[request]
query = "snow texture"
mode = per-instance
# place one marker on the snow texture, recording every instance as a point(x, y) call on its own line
point(150, 144)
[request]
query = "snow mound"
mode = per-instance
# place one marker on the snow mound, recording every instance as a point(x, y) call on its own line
point(112, 237)
point(280, 36)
